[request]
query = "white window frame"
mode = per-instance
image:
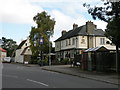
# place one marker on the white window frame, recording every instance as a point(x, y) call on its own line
point(102, 41)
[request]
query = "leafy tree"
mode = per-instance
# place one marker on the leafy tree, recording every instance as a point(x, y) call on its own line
point(44, 23)
point(109, 13)
point(10, 46)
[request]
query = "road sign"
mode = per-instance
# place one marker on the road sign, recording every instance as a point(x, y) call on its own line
point(41, 40)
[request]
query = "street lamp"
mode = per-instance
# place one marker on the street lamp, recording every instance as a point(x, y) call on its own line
point(49, 33)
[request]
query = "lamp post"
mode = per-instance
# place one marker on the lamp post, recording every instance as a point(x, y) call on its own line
point(49, 33)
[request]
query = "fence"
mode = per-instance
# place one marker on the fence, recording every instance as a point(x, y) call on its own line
point(98, 61)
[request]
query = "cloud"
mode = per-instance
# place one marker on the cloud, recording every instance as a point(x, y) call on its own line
point(18, 11)
point(64, 22)
point(22, 11)
point(100, 24)
point(65, 12)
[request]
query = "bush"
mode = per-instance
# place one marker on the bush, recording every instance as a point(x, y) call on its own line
point(39, 62)
point(45, 61)
point(33, 61)
point(65, 61)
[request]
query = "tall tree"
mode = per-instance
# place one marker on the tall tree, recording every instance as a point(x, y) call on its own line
point(44, 23)
point(9, 45)
point(109, 13)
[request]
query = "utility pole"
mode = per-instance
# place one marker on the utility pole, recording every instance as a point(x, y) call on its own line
point(49, 33)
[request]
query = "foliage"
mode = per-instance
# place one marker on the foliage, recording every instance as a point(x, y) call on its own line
point(65, 61)
point(33, 61)
point(113, 31)
point(43, 62)
point(9, 45)
point(106, 12)
point(39, 62)
point(44, 23)
point(109, 13)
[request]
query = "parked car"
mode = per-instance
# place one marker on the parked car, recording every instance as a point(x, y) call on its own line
point(6, 59)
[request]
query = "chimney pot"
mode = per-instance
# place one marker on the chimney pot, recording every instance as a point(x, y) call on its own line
point(75, 26)
point(63, 32)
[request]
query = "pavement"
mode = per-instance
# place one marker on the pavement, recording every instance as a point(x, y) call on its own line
point(112, 78)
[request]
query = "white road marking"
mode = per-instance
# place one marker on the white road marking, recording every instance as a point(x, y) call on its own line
point(38, 82)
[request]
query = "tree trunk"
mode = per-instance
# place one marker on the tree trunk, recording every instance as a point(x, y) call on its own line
point(117, 53)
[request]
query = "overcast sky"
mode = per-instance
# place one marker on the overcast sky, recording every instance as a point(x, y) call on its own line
point(16, 16)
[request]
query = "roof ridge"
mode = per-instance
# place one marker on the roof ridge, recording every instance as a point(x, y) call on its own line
point(21, 44)
point(81, 30)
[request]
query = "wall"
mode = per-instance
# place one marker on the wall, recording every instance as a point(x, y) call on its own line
point(108, 46)
point(26, 44)
point(2, 55)
point(57, 46)
point(82, 42)
point(28, 51)
point(18, 57)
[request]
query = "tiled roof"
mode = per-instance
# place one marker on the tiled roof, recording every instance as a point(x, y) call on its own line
point(24, 51)
point(100, 48)
point(80, 31)
point(21, 44)
point(3, 50)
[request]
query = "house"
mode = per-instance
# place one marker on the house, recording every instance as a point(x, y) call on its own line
point(3, 53)
point(23, 52)
point(78, 39)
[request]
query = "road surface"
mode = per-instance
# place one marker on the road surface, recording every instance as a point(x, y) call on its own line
point(21, 76)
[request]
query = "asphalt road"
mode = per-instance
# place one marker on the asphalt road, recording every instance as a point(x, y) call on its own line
point(20, 76)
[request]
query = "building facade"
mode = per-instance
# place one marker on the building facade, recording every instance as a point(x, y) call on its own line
point(23, 52)
point(3, 53)
point(78, 39)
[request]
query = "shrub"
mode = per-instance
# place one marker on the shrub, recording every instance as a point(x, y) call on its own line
point(33, 61)
point(65, 61)
point(45, 61)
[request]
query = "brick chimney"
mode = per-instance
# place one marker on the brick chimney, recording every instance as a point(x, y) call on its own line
point(90, 27)
point(75, 26)
point(63, 32)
